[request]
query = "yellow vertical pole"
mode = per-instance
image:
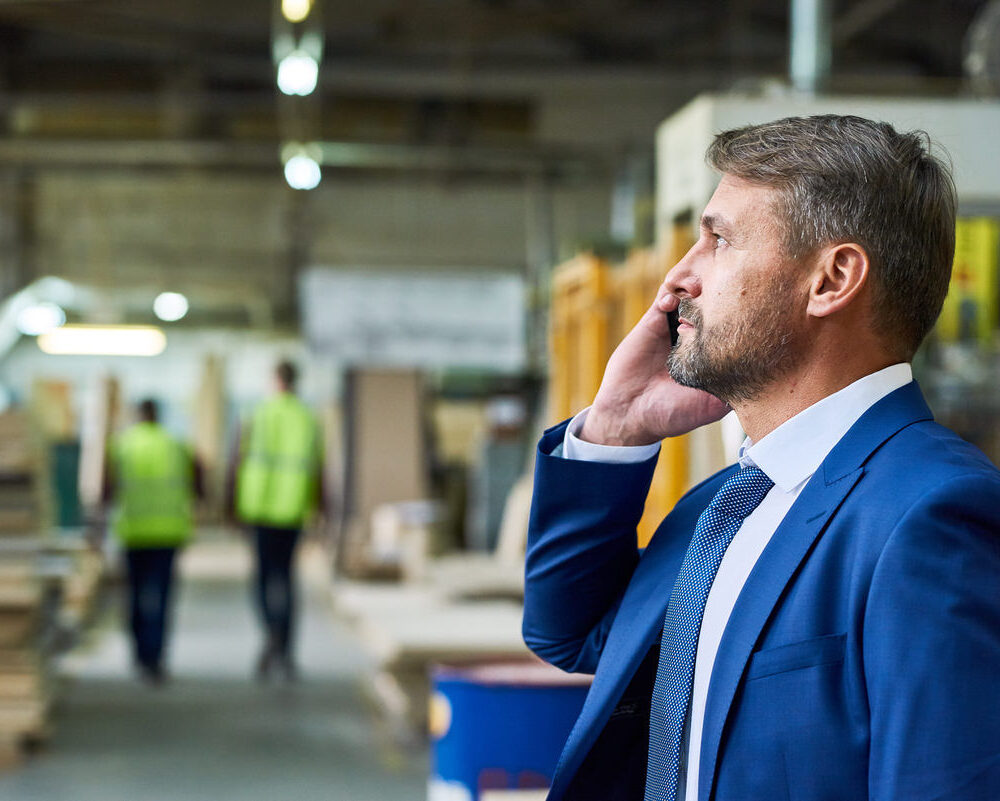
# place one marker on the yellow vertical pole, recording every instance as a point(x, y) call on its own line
point(559, 401)
point(579, 340)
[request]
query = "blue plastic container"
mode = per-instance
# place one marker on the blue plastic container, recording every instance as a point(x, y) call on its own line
point(499, 726)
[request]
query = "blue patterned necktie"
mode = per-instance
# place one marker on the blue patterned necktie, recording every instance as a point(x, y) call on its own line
point(717, 526)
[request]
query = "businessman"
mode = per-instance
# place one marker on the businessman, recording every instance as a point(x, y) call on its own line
point(821, 621)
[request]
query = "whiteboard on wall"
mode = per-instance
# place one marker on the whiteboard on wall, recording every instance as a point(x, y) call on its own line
point(415, 318)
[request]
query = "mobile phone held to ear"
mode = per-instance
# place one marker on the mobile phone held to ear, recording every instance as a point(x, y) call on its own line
point(673, 320)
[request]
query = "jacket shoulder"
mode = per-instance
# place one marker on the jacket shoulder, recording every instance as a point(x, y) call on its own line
point(927, 452)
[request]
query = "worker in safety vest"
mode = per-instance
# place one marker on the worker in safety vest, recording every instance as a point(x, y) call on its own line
point(153, 479)
point(278, 487)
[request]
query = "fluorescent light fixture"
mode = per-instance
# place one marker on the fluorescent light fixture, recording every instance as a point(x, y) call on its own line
point(302, 172)
point(296, 10)
point(170, 306)
point(104, 340)
point(40, 318)
point(298, 73)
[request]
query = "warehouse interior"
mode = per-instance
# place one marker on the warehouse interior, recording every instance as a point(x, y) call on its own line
point(445, 214)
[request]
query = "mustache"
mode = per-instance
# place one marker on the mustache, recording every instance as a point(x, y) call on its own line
point(690, 312)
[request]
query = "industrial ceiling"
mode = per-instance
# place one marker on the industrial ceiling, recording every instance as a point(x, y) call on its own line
point(141, 138)
point(430, 70)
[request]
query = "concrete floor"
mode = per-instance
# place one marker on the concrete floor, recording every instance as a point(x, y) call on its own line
point(213, 732)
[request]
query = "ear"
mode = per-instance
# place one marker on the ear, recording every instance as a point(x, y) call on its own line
point(839, 276)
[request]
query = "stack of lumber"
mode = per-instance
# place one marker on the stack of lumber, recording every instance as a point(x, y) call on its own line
point(406, 628)
point(24, 684)
point(25, 681)
point(458, 609)
point(81, 584)
point(23, 506)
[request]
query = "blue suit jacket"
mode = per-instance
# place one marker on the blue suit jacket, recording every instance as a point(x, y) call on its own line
point(862, 659)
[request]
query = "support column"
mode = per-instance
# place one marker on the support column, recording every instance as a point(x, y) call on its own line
point(809, 48)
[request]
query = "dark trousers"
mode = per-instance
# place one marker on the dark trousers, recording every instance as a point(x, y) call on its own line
point(150, 578)
point(275, 585)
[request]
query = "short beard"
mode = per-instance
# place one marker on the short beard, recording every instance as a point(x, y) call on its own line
point(742, 356)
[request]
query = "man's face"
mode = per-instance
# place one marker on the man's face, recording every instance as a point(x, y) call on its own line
point(742, 300)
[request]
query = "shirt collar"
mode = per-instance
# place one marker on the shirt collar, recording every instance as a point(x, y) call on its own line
point(794, 450)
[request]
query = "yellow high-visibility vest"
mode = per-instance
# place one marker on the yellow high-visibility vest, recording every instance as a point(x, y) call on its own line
point(154, 479)
point(278, 478)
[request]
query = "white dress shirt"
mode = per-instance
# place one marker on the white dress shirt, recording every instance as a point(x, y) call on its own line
point(789, 456)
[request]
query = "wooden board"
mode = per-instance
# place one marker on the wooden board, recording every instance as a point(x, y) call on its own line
point(386, 454)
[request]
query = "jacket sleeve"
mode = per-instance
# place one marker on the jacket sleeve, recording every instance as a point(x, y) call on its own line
point(582, 549)
point(932, 649)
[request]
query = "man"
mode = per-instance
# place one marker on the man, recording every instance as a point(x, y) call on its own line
point(820, 622)
point(154, 480)
point(278, 486)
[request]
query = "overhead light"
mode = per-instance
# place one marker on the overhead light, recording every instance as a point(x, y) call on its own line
point(170, 306)
point(302, 172)
point(298, 73)
point(40, 318)
point(104, 340)
point(296, 10)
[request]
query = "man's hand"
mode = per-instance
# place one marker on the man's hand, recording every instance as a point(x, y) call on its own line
point(638, 402)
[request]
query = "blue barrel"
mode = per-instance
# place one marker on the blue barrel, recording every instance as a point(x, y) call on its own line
point(499, 726)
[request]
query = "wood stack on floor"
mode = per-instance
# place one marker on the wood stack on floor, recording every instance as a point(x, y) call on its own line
point(25, 671)
point(456, 609)
point(24, 681)
point(81, 571)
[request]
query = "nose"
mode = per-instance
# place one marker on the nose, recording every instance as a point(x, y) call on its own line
point(683, 280)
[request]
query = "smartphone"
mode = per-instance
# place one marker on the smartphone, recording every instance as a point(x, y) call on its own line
point(673, 320)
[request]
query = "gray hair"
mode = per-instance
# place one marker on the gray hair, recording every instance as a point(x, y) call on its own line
point(848, 179)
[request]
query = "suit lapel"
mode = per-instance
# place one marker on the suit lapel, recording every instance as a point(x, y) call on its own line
point(790, 544)
point(788, 547)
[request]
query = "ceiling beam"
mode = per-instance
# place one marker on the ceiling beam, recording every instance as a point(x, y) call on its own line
point(50, 154)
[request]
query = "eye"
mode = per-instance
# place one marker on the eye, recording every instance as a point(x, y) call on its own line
point(719, 241)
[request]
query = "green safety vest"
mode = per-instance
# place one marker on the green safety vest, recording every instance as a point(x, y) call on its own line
point(278, 477)
point(154, 480)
